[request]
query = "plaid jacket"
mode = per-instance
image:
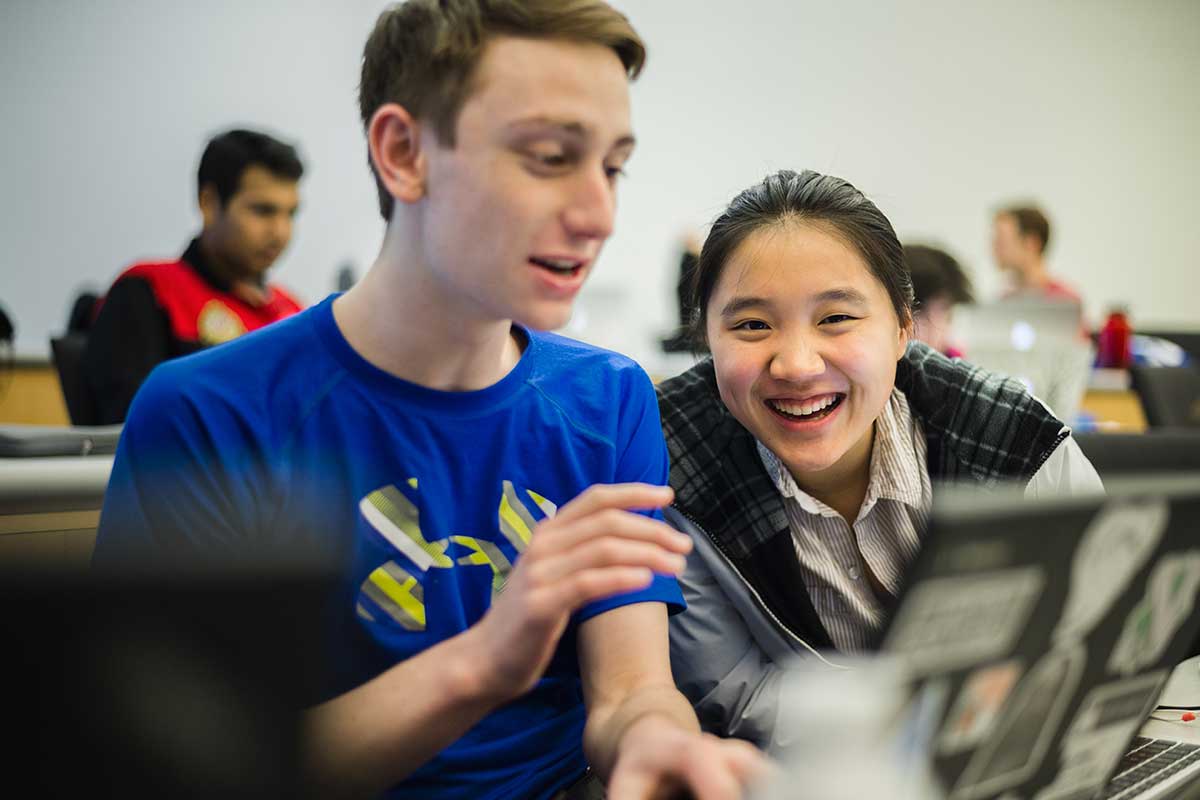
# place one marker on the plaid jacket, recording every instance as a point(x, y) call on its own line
point(979, 428)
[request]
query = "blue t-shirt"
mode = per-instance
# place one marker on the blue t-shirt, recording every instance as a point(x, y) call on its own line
point(287, 438)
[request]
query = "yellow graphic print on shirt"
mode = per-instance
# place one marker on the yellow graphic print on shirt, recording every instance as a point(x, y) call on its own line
point(397, 519)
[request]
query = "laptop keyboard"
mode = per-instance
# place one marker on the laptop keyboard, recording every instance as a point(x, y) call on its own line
point(1149, 762)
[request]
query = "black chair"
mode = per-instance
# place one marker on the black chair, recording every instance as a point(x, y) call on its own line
point(68, 360)
point(1188, 340)
point(1159, 450)
point(1170, 395)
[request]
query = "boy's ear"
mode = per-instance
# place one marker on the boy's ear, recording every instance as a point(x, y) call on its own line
point(394, 139)
point(210, 204)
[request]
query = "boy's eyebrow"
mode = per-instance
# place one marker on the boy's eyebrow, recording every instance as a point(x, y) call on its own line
point(569, 127)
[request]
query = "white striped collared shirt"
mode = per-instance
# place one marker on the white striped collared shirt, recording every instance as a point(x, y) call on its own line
point(835, 556)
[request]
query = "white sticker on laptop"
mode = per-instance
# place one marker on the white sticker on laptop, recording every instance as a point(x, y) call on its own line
point(1100, 733)
point(1114, 548)
point(1152, 624)
point(948, 623)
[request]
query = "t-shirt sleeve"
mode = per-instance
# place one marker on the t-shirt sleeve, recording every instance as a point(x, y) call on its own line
point(642, 458)
point(183, 486)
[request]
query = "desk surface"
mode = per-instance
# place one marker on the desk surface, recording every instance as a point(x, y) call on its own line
point(61, 483)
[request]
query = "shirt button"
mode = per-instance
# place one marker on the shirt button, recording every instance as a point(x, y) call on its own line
point(854, 573)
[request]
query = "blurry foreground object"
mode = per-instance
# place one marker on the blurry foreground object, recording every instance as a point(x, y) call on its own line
point(161, 684)
point(851, 733)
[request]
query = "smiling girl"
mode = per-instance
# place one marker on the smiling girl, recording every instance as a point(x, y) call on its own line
point(805, 453)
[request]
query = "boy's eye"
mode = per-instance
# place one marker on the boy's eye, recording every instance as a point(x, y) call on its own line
point(751, 325)
point(549, 155)
point(614, 172)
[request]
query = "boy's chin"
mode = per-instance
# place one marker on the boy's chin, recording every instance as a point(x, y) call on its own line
point(546, 318)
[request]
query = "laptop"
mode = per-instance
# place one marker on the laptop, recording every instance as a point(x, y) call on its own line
point(1043, 633)
point(1036, 341)
point(144, 683)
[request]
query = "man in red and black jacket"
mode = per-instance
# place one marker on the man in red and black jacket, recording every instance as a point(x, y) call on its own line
point(217, 290)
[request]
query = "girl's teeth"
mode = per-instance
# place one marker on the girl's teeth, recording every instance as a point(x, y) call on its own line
point(805, 410)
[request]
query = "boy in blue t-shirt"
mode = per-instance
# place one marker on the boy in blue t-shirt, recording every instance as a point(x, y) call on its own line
point(494, 490)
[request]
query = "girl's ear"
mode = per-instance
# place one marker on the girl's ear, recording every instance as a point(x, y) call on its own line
point(903, 336)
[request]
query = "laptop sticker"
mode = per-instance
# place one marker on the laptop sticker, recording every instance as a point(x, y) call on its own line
point(1114, 548)
point(1026, 727)
point(948, 623)
point(1151, 625)
point(977, 706)
point(1099, 734)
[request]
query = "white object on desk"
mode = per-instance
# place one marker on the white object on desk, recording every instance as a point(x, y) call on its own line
point(1182, 689)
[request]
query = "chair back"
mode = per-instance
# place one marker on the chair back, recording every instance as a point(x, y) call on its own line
point(1155, 451)
point(1170, 395)
point(68, 360)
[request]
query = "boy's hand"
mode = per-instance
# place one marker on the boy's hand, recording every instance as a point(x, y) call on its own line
point(592, 548)
point(659, 760)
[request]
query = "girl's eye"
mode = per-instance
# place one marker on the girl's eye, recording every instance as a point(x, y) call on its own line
point(834, 319)
point(751, 325)
point(614, 172)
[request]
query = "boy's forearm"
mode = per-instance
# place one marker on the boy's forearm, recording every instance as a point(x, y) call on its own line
point(372, 737)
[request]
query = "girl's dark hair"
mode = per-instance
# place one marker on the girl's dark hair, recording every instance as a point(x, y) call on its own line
point(807, 196)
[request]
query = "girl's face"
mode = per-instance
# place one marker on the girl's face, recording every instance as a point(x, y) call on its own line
point(805, 342)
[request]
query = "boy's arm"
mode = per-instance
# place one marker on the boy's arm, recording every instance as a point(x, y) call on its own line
point(641, 733)
point(377, 734)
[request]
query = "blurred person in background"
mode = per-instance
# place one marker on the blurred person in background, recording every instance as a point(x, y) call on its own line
point(217, 290)
point(1020, 236)
point(939, 284)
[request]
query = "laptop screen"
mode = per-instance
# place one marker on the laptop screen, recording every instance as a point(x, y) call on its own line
point(1047, 629)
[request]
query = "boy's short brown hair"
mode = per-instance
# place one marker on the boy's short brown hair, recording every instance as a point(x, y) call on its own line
point(1031, 221)
point(422, 54)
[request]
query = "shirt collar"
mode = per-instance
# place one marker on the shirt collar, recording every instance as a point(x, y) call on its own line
point(194, 256)
point(900, 480)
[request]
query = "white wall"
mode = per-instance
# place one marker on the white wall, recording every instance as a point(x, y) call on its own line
point(938, 112)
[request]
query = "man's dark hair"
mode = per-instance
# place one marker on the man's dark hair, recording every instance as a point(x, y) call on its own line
point(1031, 221)
point(936, 273)
point(802, 197)
point(229, 155)
point(422, 54)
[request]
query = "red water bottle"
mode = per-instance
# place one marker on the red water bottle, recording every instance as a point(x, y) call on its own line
point(1112, 344)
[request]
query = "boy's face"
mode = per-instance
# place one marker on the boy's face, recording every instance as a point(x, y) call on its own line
point(252, 229)
point(514, 215)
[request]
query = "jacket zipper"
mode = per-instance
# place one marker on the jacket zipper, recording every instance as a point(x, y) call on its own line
point(1062, 437)
point(754, 593)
